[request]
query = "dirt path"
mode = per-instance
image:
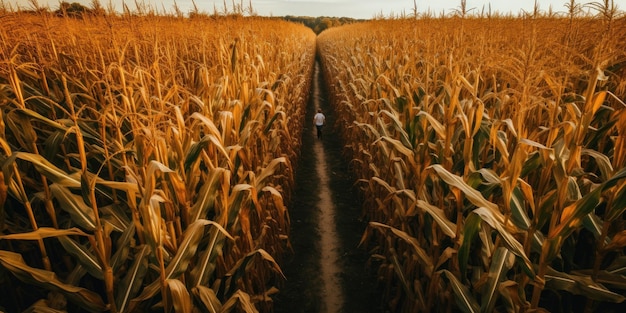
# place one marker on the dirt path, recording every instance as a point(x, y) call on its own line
point(327, 272)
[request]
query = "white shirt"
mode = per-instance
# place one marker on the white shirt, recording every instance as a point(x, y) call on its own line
point(319, 119)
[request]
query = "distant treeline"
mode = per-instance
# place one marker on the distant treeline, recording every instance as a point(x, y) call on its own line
point(319, 24)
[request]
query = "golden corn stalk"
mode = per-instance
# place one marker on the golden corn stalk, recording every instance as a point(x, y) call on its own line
point(490, 152)
point(147, 160)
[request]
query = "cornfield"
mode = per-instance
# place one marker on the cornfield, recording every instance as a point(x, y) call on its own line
point(147, 159)
point(491, 154)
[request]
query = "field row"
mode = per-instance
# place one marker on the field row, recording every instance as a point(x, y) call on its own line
point(491, 154)
point(148, 161)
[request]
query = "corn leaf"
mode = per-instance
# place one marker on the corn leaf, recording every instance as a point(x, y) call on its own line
point(422, 256)
point(84, 298)
point(206, 264)
point(243, 266)
point(115, 216)
point(41, 306)
point(268, 172)
point(603, 162)
point(463, 297)
point(80, 213)
point(207, 194)
point(512, 244)
point(404, 137)
point(44, 167)
point(470, 229)
point(179, 296)
point(239, 302)
point(83, 255)
point(131, 283)
point(618, 206)
point(501, 262)
point(123, 244)
point(434, 123)
point(473, 195)
point(44, 232)
point(207, 297)
point(580, 285)
point(179, 263)
point(448, 227)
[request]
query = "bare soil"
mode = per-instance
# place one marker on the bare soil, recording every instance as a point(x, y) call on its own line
point(327, 271)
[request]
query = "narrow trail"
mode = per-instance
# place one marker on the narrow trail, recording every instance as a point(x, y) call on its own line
point(332, 294)
point(327, 272)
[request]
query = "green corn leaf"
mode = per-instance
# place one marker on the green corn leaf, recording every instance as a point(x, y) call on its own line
point(194, 152)
point(473, 195)
point(572, 215)
point(593, 224)
point(603, 162)
point(470, 229)
point(510, 241)
point(580, 285)
point(501, 261)
point(463, 297)
point(133, 281)
point(179, 263)
point(518, 209)
point(268, 125)
point(448, 227)
point(404, 137)
point(422, 256)
point(532, 163)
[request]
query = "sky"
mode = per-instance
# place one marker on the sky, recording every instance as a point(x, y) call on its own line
point(364, 9)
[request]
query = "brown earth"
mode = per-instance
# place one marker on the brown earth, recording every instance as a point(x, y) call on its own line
point(327, 271)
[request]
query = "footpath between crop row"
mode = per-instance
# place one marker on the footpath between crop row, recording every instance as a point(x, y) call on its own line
point(327, 271)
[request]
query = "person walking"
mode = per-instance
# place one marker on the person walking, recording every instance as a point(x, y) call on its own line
point(319, 120)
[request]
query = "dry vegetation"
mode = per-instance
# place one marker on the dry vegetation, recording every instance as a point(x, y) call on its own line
point(146, 160)
point(491, 153)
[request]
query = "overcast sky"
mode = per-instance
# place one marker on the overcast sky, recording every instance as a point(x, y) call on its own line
point(349, 8)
